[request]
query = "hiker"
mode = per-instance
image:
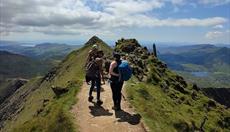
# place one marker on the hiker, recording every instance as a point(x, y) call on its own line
point(94, 73)
point(116, 84)
point(92, 54)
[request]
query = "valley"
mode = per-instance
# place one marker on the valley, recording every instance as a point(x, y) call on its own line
point(200, 64)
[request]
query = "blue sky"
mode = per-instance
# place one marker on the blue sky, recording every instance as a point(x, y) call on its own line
point(75, 21)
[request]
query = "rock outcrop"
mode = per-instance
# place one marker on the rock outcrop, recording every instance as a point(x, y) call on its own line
point(12, 86)
point(221, 95)
point(14, 104)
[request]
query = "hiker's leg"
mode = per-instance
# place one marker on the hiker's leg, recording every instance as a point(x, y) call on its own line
point(119, 88)
point(116, 93)
point(92, 86)
point(98, 85)
point(113, 88)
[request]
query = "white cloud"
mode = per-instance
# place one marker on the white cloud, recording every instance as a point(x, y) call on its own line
point(214, 2)
point(213, 34)
point(131, 7)
point(76, 17)
point(216, 36)
point(218, 27)
point(189, 22)
point(178, 2)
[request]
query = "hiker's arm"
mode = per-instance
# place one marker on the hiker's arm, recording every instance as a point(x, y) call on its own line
point(101, 71)
point(112, 66)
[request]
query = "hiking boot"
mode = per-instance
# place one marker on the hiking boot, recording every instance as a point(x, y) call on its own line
point(99, 102)
point(90, 98)
point(116, 108)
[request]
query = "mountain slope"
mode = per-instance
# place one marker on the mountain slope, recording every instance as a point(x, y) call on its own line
point(164, 99)
point(15, 65)
point(42, 51)
point(36, 107)
point(200, 63)
point(9, 86)
point(207, 56)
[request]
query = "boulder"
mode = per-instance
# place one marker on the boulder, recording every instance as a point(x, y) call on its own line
point(59, 90)
point(195, 87)
point(179, 88)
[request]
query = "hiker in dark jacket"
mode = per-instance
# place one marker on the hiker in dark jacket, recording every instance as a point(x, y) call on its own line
point(97, 77)
point(116, 84)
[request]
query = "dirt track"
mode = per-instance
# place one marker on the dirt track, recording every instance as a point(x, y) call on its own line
point(92, 118)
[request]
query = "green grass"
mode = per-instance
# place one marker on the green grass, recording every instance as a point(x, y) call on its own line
point(15, 65)
point(162, 113)
point(53, 116)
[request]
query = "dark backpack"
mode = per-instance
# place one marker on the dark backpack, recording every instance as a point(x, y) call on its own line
point(92, 69)
point(125, 70)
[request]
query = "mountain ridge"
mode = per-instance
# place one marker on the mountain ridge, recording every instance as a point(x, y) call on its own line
point(155, 92)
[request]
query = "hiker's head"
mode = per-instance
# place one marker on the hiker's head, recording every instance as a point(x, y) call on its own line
point(100, 53)
point(125, 56)
point(94, 47)
point(117, 56)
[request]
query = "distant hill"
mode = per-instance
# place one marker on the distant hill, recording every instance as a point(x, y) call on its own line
point(199, 58)
point(15, 65)
point(40, 51)
point(208, 56)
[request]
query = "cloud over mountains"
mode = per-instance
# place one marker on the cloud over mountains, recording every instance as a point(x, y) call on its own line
point(78, 16)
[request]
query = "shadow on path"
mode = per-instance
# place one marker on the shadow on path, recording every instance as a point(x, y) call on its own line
point(124, 116)
point(96, 110)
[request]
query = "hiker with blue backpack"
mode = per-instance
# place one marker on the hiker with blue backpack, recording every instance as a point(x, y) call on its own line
point(119, 72)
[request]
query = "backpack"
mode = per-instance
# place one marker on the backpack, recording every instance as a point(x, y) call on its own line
point(91, 69)
point(125, 70)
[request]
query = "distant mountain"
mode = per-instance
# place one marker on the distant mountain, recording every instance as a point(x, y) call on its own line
point(209, 59)
point(185, 48)
point(15, 65)
point(40, 51)
point(4, 43)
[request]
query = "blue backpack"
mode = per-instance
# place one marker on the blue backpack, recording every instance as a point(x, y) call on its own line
point(125, 70)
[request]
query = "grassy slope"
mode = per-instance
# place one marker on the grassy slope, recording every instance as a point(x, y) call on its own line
point(172, 110)
point(165, 101)
point(55, 115)
point(161, 113)
point(15, 65)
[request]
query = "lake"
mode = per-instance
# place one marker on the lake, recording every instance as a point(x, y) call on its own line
point(200, 74)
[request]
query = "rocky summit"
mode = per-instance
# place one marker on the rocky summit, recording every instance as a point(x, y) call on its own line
point(94, 40)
